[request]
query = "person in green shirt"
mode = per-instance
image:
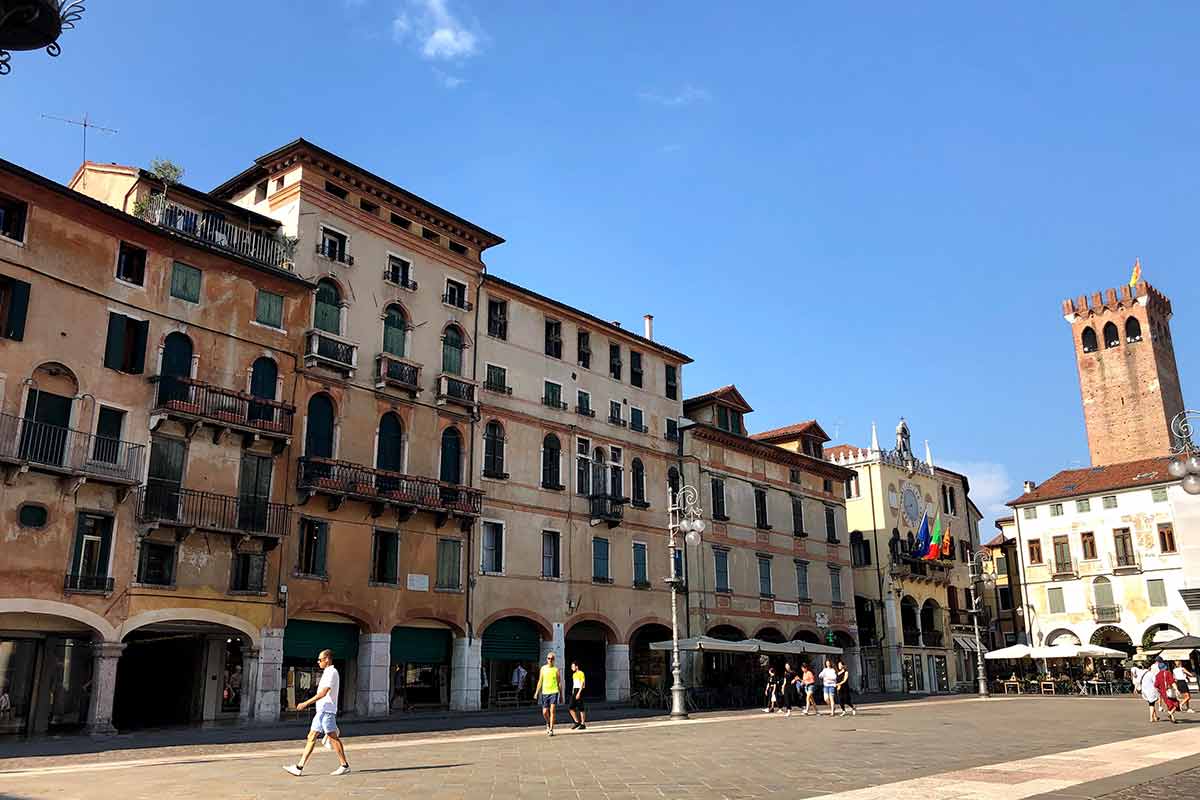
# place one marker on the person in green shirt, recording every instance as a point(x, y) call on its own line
point(548, 691)
point(577, 707)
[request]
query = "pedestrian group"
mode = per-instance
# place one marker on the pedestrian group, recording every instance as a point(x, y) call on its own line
point(784, 691)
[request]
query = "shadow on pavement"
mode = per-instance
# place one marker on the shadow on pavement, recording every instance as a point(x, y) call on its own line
point(408, 769)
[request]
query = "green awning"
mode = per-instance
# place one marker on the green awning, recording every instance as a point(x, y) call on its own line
point(420, 646)
point(305, 639)
point(512, 639)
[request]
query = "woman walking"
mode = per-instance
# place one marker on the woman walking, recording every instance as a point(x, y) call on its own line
point(808, 680)
point(789, 688)
point(843, 689)
point(829, 683)
point(772, 691)
point(1182, 676)
point(1164, 682)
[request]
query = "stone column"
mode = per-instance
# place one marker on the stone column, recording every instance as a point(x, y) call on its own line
point(894, 680)
point(249, 683)
point(268, 679)
point(374, 665)
point(104, 686)
point(616, 673)
point(465, 683)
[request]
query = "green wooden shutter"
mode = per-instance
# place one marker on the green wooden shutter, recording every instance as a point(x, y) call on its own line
point(511, 639)
point(141, 332)
point(322, 545)
point(420, 645)
point(114, 347)
point(18, 306)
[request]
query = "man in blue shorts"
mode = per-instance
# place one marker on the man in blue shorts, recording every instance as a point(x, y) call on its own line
point(325, 718)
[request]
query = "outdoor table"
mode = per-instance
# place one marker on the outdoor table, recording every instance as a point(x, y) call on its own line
point(1014, 685)
point(1094, 686)
point(1048, 687)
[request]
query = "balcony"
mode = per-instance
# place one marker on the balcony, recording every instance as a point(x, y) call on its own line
point(343, 480)
point(499, 387)
point(25, 444)
point(585, 411)
point(613, 419)
point(451, 389)
point(912, 637)
point(211, 228)
point(393, 371)
point(196, 402)
point(457, 301)
point(1106, 613)
point(325, 349)
point(101, 584)
point(638, 427)
point(335, 253)
point(932, 638)
point(608, 509)
point(555, 403)
point(1064, 570)
point(1125, 562)
point(167, 505)
point(905, 566)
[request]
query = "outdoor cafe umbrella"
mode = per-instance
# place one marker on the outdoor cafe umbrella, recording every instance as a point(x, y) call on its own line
point(795, 647)
point(1014, 652)
point(706, 644)
point(1179, 649)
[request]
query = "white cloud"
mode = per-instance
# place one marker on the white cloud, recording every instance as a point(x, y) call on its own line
point(438, 33)
point(686, 96)
point(991, 488)
point(447, 80)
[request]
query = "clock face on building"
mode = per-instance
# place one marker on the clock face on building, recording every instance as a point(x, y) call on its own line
point(910, 498)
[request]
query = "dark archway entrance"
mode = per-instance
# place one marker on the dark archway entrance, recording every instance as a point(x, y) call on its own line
point(649, 669)
point(587, 645)
point(511, 655)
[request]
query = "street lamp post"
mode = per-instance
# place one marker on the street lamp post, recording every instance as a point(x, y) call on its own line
point(683, 517)
point(978, 559)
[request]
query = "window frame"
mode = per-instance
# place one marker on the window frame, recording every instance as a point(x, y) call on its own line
point(1167, 528)
point(556, 537)
point(441, 582)
point(607, 560)
point(121, 252)
point(616, 366)
point(801, 566)
point(175, 268)
point(452, 287)
point(644, 581)
point(173, 567)
point(636, 374)
point(1087, 543)
point(404, 278)
point(551, 473)
point(1033, 545)
point(719, 508)
point(258, 307)
point(321, 557)
point(1105, 501)
point(1054, 593)
point(497, 326)
point(836, 597)
point(762, 520)
point(496, 525)
point(23, 226)
point(765, 578)
point(671, 382)
point(377, 535)
point(553, 338)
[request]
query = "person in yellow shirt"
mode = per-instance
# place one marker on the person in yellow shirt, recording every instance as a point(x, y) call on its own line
point(548, 691)
point(576, 706)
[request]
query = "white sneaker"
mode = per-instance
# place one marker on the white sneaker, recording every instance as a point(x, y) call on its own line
point(854, 712)
point(341, 770)
point(551, 731)
point(841, 713)
point(766, 711)
point(788, 713)
point(293, 769)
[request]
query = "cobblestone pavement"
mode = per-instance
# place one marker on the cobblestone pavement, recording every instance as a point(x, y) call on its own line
point(1185, 784)
point(933, 750)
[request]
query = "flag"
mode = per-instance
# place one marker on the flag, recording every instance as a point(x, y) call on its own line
point(947, 543)
point(935, 540)
point(1137, 272)
point(922, 545)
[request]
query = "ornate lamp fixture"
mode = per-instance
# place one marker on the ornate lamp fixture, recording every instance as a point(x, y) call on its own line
point(33, 24)
point(1186, 465)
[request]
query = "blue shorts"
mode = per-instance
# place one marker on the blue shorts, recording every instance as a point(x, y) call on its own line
point(547, 700)
point(808, 690)
point(324, 722)
point(830, 691)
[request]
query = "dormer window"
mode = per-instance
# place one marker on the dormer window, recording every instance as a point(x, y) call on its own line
point(812, 447)
point(729, 420)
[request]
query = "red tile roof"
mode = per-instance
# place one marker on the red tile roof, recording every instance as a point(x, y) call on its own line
point(726, 394)
point(791, 432)
point(1097, 480)
point(997, 541)
point(839, 450)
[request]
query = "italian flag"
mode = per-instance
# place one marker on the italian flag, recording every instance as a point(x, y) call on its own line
point(935, 540)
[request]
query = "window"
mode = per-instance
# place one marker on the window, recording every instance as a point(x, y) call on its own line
point(327, 311)
point(110, 423)
point(550, 542)
point(827, 485)
point(637, 420)
point(721, 563)
point(830, 524)
point(260, 191)
point(385, 558)
point(1056, 509)
point(1112, 337)
point(333, 246)
point(1110, 501)
point(1159, 494)
point(860, 550)
point(268, 309)
point(600, 572)
point(1054, 597)
point(718, 499)
point(93, 543)
point(1088, 539)
point(614, 361)
point(1123, 542)
point(432, 236)
point(1156, 588)
point(125, 349)
point(131, 264)
point(1035, 551)
point(584, 346)
point(248, 570)
point(1133, 330)
point(400, 222)
point(835, 585)
point(449, 564)
point(1083, 505)
point(793, 475)
point(156, 564)
point(450, 462)
point(1088, 340)
point(729, 420)
point(635, 368)
point(760, 509)
point(802, 580)
point(32, 516)
point(640, 576)
point(497, 380)
point(552, 396)
point(12, 218)
point(723, 418)
point(336, 191)
point(493, 548)
point(498, 318)
point(455, 247)
point(456, 295)
point(638, 470)
point(1004, 598)
point(672, 434)
point(953, 500)
point(798, 516)
point(14, 306)
point(1062, 554)
point(185, 282)
point(583, 403)
point(452, 351)
point(583, 467)
point(673, 484)
point(1166, 537)
point(551, 462)
point(1001, 564)
point(616, 472)
point(1030, 512)
point(614, 413)
point(367, 206)
point(493, 451)
point(399, 272)
point(395, 329)
point(553, 338)
point(764, 576)
point(945, 499)
point(314, 538)
point(672, 382)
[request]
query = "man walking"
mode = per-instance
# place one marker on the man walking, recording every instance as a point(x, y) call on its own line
point(576, 706)
point(325, 717)
point(548, 691)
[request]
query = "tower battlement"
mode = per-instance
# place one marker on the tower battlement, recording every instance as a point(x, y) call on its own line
point(1116, 300)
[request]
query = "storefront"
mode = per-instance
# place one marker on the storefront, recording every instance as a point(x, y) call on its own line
point(45, 684)
point(507, 643)
point(420, 668)
point(303, 640)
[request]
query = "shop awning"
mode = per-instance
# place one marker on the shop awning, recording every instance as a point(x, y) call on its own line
point(306, 638)
point(797, 647)
point(711, 645)
point(968, 643)
point(420, 645)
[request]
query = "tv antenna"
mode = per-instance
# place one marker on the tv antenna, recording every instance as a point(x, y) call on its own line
point(85, 124)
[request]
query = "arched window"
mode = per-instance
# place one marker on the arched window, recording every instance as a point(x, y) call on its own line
point(176, 364)
point(910, 542)
point(264, 375)
point(1133, 330)
point(1112, 337)
point(318, 437)
point(638, 471)
point(599, 472)
point(551, 462)
point(452, 351)
point(1102, 588)
point(493, 450)
point(673, 483)
point(394, 328)
point(327, 315)
point(451, 463)
point(1089, 340)
point(389, 451)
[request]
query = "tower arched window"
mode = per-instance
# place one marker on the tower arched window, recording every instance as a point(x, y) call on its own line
point(1133, 330)
point(327, 314)
point(452, 351)
point(395, 328)
point(493, 450)
point(638, 471)
point(551, 462)
point(1088, 339)
point(1112, 337)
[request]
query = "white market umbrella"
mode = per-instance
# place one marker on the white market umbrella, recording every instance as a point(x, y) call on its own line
point(1016, 651)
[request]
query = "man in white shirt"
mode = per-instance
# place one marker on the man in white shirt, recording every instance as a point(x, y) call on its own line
point(325, 718)
point(518, 678)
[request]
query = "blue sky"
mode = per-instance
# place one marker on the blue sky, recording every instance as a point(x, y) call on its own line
point(852, 214)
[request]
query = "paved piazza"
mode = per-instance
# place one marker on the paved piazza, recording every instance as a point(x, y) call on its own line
point(932, 750)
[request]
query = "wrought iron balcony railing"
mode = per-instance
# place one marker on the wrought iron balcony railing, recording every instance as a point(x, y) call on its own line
point(555, 403)
point(212, 228)
point(586, 411)
point(456, 390)
point(457, 301)
point(1106, 613)
point(1065, 569)
point(613, 419)
point(1126, 562)
point(326, 348)
point(87, 583)
point(167, 504)
point(607, 508)
point(335, 253)
point(344, 478)
point(391, 370)
point(69, 451)
point(204, 401)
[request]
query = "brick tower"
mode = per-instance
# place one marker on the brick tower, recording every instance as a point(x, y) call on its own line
point(1127, 375)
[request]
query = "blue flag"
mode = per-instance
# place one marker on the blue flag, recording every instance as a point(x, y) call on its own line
point(924, 537)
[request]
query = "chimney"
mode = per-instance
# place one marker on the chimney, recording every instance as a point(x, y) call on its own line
point(616, 323)
point(1029, 486)
point(649, 320)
